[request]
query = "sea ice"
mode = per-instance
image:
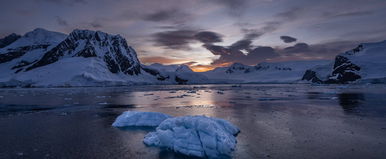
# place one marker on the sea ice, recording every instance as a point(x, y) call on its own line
point(134, 118)
point(199, 136)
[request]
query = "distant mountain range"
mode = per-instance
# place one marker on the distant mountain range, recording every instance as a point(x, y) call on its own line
point(42, 58)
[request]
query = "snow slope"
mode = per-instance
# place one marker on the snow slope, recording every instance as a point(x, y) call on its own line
point(26, 50)
point(364, 64)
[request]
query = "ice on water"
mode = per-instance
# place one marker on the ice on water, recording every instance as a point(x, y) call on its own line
point(134, 118)
point(199, 136)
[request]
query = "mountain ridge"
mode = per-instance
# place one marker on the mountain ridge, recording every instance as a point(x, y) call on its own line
point(43, 58)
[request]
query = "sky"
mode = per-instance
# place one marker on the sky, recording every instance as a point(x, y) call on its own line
point(205, 34)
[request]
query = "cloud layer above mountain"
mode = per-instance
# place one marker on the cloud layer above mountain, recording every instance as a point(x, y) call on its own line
point(211, 32)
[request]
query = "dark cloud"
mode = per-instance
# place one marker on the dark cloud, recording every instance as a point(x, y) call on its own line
point(61, 21)
point(244, 44)
point(208, 37)
point(170, 15)
point(189, 63)
point(325, 50)
point(298, 48)
point(262, 52)
point(180, 39)
point(243, 51)
point(177, 39)
point(288, 39)
point(233, 53)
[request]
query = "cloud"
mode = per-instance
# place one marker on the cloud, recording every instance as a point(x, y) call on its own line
point(189, 63)
point(181, 39)
point(326, 50)
point(208, 37)
point(160, 59)
point(279, 19)
point(232, 54)
point(96, 24)
point(61, 21)
point(297, 48)
point(288, 39)
point(169, 15)
point(176, 39)
point(347, 14)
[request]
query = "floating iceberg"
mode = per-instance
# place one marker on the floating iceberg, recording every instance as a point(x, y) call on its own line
point(199, 136)
point(134, 118)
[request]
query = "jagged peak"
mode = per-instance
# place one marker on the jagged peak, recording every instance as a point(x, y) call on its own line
point(93, 35)
point(12, 35)
point(38, 36)
point(237, 65)
point(183, 68)
point(40, 32)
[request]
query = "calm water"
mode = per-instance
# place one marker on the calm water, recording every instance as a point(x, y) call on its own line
point(276, 121)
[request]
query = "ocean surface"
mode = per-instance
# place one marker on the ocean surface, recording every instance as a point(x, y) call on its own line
point(276, 120)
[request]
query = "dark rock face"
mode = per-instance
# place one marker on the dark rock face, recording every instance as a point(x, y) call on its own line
point(111, 65)
point(8, 40)
point(119, 57)
point(180, 80)
point(344, 71)
point(237, 67)
point(18, 52)
point(22, 64)
point(311, 76)
point(155, 73)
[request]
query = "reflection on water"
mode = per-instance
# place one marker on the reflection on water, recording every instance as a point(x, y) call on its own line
point(276, 121)
point(351, 101)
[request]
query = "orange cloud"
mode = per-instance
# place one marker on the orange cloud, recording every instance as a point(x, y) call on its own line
point(204, 68)
point(192, 64)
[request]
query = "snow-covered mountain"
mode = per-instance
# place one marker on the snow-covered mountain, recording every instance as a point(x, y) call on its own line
point(180, 74)
point(42, 58)
point(83, 58)
point(279, 72)
point(364, 64)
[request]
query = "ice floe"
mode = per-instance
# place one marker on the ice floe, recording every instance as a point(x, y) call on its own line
point(134, 118)
point(199, 136)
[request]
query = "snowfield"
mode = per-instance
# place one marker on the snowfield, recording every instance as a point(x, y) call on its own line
point(134, 118)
